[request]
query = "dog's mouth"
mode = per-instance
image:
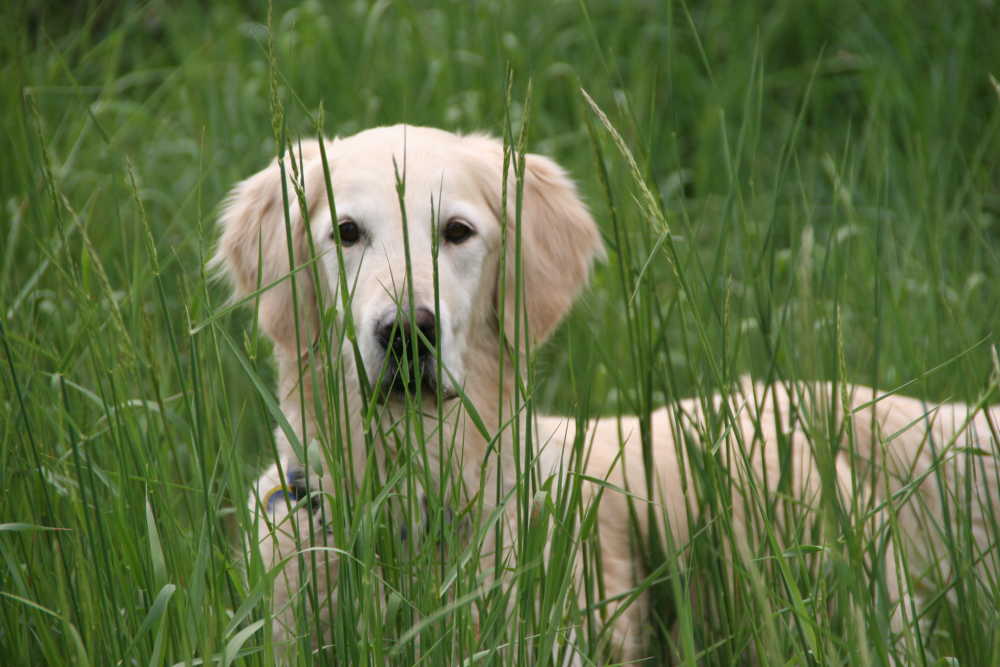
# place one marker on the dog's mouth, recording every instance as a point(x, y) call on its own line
point(400, 378)
point(411, 364)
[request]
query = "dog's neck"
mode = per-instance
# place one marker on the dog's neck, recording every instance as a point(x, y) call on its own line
point(480, 422)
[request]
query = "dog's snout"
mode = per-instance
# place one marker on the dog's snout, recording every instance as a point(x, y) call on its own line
point(409, 340)
point(395, 334)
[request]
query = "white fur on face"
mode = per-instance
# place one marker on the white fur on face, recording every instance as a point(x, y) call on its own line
point(437, 189)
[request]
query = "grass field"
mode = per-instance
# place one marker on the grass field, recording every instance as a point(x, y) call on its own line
point(825, 203)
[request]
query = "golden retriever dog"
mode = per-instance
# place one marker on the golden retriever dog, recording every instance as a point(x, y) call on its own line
point(413, 255)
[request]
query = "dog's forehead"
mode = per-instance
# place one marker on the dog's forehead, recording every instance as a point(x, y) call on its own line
point(432, 163)
point(399, 139)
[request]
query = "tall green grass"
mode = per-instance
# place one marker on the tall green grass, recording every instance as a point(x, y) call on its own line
point(812, 193)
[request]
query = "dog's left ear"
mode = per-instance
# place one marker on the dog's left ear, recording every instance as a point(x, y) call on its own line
point(253, 249)
point(559, 243)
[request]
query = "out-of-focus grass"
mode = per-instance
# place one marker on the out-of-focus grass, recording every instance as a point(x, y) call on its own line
point(827, 173)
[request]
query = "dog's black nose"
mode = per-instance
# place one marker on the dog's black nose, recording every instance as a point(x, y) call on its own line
point(395, 335)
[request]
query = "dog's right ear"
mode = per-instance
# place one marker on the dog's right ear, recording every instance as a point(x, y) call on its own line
point(559, 243)
point(253, 250)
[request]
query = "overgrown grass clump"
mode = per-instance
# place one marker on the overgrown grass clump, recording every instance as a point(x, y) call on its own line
point(815, 194)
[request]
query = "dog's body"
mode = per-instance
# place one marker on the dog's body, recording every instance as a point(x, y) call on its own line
point(438, 292)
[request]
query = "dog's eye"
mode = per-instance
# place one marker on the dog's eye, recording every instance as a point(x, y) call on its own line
point(350, 232)
point(457, 231)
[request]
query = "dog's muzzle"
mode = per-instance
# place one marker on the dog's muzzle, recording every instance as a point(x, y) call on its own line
point(409, 343)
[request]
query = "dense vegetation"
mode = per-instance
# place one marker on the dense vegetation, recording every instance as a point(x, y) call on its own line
point(816, 195)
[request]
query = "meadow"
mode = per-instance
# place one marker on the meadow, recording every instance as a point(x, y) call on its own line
point(790, 190)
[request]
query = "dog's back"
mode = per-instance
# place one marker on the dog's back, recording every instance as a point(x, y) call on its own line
point(901, 469)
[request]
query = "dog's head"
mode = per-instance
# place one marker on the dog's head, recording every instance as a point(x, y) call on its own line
point(416, 244)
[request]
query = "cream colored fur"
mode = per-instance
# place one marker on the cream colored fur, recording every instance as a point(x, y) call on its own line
point(887, 442)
